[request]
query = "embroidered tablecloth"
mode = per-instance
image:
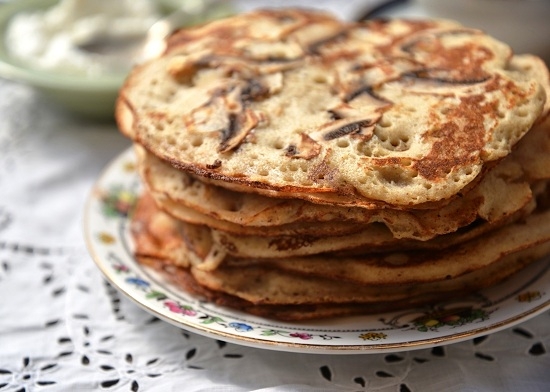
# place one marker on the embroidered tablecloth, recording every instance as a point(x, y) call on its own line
point(64, 328)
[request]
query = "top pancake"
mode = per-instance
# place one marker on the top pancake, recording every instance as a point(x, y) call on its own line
point(396, 112)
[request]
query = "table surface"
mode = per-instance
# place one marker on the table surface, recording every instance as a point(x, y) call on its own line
point(63, 327)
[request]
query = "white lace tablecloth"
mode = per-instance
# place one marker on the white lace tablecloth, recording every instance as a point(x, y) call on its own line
point(63, 328)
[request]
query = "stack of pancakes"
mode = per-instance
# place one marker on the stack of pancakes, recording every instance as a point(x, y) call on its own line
point(297, 166)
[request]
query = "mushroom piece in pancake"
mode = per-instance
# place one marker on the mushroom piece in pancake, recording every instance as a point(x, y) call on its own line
point(396, 112)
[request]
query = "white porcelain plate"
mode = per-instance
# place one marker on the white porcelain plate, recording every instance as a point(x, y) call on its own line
point(109, 242)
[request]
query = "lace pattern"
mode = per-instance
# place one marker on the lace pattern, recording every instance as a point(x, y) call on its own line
point(64, 328)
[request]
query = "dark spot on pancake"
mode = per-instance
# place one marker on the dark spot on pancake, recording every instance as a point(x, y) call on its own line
point(291, 150)
point(215, 165)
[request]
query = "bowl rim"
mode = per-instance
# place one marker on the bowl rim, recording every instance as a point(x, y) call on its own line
point(11, 69)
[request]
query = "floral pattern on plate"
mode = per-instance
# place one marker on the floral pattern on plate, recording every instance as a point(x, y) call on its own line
point(106, 223)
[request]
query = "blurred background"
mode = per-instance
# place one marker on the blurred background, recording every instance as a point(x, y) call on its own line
point(78, 52)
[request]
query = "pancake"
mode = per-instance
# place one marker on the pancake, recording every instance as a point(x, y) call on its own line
point(372, 241)
point(393, 280)
point(183, 278)
point(397, 113)
point(418, 267)
point(263, 285)
point(506, 189)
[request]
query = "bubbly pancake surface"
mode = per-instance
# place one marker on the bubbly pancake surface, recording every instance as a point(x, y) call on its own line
point(393, 112)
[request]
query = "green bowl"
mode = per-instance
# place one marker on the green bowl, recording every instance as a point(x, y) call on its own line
point(84, 96)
